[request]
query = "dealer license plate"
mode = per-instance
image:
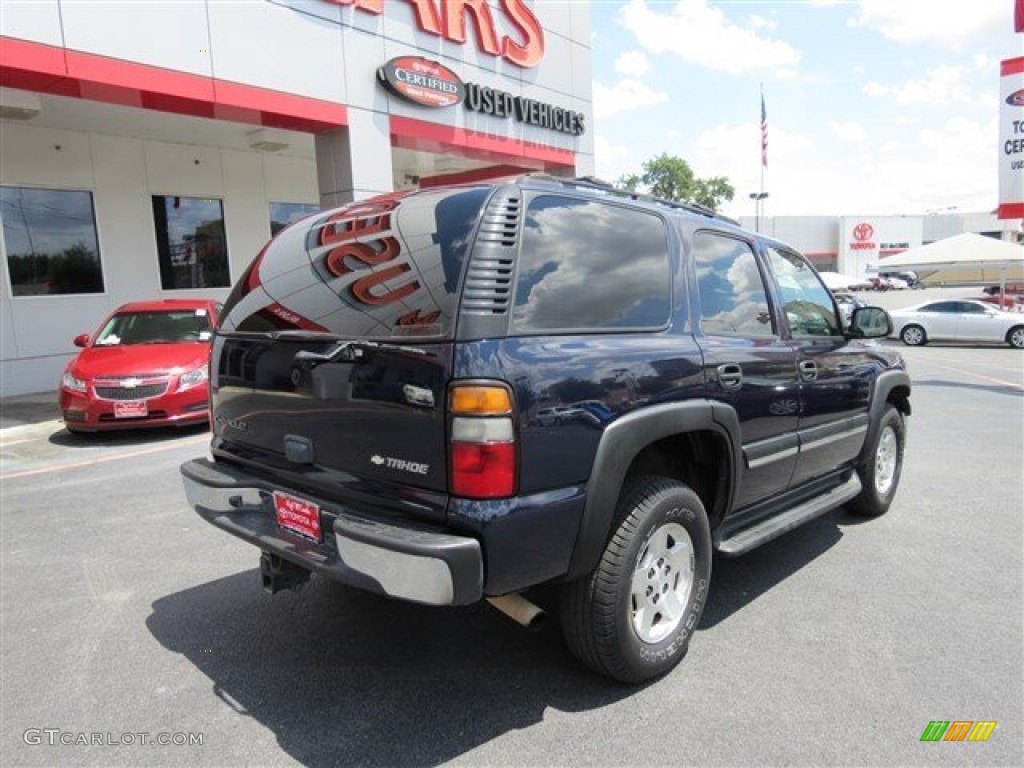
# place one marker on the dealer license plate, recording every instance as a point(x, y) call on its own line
point(130, 409)
point(297, 515)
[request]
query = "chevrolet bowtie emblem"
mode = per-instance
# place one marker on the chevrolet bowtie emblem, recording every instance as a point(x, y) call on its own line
point(130, 383)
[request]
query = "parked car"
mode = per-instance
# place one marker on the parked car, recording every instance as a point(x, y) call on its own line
point(745, 410)
point(847, 302)
point(146, 366)
point(900, 280)
point(960, 320)
point(556, 414)
point(1005, 301)
point(1009, 288)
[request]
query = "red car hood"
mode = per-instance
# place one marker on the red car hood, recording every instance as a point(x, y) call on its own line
point(136, 359)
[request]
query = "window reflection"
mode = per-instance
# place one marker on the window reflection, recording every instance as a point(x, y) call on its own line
point(806, 301)
point(283, 214)
point(587, 265)
point(50, 240)
point(732, 294)
point(190, 242)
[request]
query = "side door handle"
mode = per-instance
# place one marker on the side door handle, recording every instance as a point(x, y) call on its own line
point(730, 376)
point(808, 370)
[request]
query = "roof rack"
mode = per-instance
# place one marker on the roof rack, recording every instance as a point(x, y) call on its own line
point(594, 183)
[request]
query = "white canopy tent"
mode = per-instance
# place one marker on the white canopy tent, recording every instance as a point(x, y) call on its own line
point(960, 253)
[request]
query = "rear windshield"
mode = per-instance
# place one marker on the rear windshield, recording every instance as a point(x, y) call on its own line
point(155, 328)
point(380, 268)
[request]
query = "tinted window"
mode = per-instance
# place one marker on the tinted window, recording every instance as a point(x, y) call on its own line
point(384, 267)
point(733, 299)
point(190, 242)
point(968, 308)
point(805, 300)
point(588, 265)
point(50, 240)
point(941, 306)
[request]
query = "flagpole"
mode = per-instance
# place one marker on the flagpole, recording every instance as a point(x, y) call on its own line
point(762, 141)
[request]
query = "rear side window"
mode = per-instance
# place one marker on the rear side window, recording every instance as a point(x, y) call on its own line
point(587, 265)
point(733, 299)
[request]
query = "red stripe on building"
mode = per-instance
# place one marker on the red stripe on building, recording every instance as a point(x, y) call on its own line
point(431, 137)
point(49, 69)
point(1011, 66)
point(1011, 211)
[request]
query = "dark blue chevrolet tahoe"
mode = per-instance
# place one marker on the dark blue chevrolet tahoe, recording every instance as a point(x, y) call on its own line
point(459, 393)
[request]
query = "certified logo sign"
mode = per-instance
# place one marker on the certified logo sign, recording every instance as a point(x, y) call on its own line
point(1016, 99)
point(422, 81)
point(863, 232)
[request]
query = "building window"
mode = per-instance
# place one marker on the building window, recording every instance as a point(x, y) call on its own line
point(283, 214)
point(50, 240)
point(190, 242)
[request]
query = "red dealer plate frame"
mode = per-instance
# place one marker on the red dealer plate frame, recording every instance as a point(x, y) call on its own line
point(130, 409)
point(298, 516)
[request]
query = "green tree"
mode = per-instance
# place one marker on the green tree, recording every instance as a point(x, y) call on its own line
point(672, 178)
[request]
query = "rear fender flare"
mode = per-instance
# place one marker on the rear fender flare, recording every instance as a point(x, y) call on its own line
point(622, 442)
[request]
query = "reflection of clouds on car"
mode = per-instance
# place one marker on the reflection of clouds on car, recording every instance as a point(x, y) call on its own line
point(559, 266)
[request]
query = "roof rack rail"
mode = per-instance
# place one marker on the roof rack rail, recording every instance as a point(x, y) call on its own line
point(592, 182)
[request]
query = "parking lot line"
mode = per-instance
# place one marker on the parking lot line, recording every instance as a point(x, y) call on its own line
point(104, 459)
point(966, 372)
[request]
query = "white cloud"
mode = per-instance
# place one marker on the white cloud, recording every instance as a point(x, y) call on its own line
point(632, 63)
point(760, 22)
point(625, 96)
point(612, 160)
point(848, 130)
point(946, 23)
point(941, 86)
point(698, 33)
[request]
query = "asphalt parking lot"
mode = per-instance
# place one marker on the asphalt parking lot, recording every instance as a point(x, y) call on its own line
point(125, 616)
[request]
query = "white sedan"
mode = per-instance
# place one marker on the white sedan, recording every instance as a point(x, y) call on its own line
point(959, 320)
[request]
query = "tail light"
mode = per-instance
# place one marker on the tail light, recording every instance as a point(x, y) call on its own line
point(483, 441)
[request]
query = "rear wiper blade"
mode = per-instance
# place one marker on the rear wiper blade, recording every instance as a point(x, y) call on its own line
point(356, 351)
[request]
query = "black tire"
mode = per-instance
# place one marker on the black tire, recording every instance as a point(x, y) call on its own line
point(599, 612)
point(1015, 337)
point(880, 472)
point(914, 336)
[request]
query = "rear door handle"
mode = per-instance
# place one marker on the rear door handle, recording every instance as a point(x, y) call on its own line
point(730, 376)
point(808, 370)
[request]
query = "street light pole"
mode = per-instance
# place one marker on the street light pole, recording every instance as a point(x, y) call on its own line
point(758, 198)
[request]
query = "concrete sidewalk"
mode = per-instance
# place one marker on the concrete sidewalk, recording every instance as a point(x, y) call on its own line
point(28, 409)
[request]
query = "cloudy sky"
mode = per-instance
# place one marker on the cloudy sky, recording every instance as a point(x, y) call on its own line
point(874, 107)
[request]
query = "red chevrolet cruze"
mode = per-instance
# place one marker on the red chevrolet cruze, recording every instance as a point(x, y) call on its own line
point(146, 366)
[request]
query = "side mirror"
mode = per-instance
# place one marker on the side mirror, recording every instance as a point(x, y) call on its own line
point(81, 340)
point(870, 323)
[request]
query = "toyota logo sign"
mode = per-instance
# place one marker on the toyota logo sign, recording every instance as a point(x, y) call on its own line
point(863, 232)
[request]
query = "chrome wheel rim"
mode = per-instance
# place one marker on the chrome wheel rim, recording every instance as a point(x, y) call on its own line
point(912, 336)
point(662, 582)
point(1017, 338)
point(885, 460)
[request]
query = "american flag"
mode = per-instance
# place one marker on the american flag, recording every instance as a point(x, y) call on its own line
point(764, 134)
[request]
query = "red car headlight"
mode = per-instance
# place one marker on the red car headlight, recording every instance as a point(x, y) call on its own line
point(193, 378)
point(71, 383)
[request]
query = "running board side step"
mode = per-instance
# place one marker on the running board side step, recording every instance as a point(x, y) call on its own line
point(746, 539)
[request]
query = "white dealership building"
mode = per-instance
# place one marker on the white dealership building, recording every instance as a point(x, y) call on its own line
point(150, 149)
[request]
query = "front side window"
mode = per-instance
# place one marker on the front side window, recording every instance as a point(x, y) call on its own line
point(805, 299)
point(587, 265)
point(733, 299)
point(190, 242)
point(50, 240)
point(283, 214)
